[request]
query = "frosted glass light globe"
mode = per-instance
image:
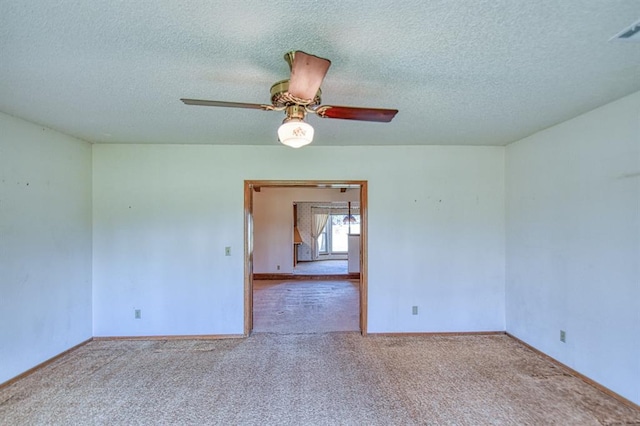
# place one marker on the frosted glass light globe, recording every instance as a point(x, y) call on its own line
point(295, 133)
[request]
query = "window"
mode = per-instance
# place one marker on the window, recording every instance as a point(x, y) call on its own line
point(322, 241)
point(335, 236)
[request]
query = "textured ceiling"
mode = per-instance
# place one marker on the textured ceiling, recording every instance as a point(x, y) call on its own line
point(483, 72)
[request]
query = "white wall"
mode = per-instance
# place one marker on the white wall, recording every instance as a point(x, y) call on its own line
point(273, 223)
point(573, 243)
point(45, 244)
point(164, 214)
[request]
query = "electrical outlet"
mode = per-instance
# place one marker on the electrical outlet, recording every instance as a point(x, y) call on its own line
point(563, 336)
point(227, 251)
point(278, 267)
point(137, 314)
point(414, 310)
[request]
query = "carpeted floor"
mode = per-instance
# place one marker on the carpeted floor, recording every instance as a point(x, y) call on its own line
point(321, 267)
point(308, 379)
point(305, 306)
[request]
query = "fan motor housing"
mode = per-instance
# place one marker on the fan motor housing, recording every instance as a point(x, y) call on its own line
point(279, 98)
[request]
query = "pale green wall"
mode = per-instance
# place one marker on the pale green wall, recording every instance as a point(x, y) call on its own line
point(45, 244)
point(164, 214)
point(573, 243)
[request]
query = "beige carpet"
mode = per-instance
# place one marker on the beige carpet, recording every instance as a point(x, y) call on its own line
point(305, 306)
point(301, 379)
point(322, 267)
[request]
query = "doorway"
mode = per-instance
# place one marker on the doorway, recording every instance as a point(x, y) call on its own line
point(326, 236)
point(252, 186)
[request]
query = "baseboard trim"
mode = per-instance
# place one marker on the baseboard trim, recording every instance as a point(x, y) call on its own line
point(173, 337)
point(580, 376)
point(438, 333)
point(298, 277)
point(42, 365)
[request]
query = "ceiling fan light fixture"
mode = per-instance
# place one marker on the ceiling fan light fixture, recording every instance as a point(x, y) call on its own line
point(299, 95)
point(295, 133)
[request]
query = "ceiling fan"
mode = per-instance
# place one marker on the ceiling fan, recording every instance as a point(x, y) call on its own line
point(301, 95)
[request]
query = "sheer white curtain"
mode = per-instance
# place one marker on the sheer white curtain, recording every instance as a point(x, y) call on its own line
point(319, 218)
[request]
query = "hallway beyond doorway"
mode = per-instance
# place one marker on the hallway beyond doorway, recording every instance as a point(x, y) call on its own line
point(291, 307)
point(321, 267)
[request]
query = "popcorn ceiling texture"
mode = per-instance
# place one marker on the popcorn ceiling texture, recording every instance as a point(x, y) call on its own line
point(485, 72)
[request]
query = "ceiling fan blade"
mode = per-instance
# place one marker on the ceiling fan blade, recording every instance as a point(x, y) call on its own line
point(307, 73)
point(201, 102)
point(355, 113)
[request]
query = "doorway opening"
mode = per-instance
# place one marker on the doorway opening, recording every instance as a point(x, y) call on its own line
point(327, 237)
point(359, 223)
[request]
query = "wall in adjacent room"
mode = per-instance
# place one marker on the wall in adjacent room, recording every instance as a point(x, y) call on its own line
point(45, 244)
point(573, 243)
point(163, 215)
point(273, 224)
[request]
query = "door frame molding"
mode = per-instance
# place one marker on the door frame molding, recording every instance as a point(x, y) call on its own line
point(250, 185)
